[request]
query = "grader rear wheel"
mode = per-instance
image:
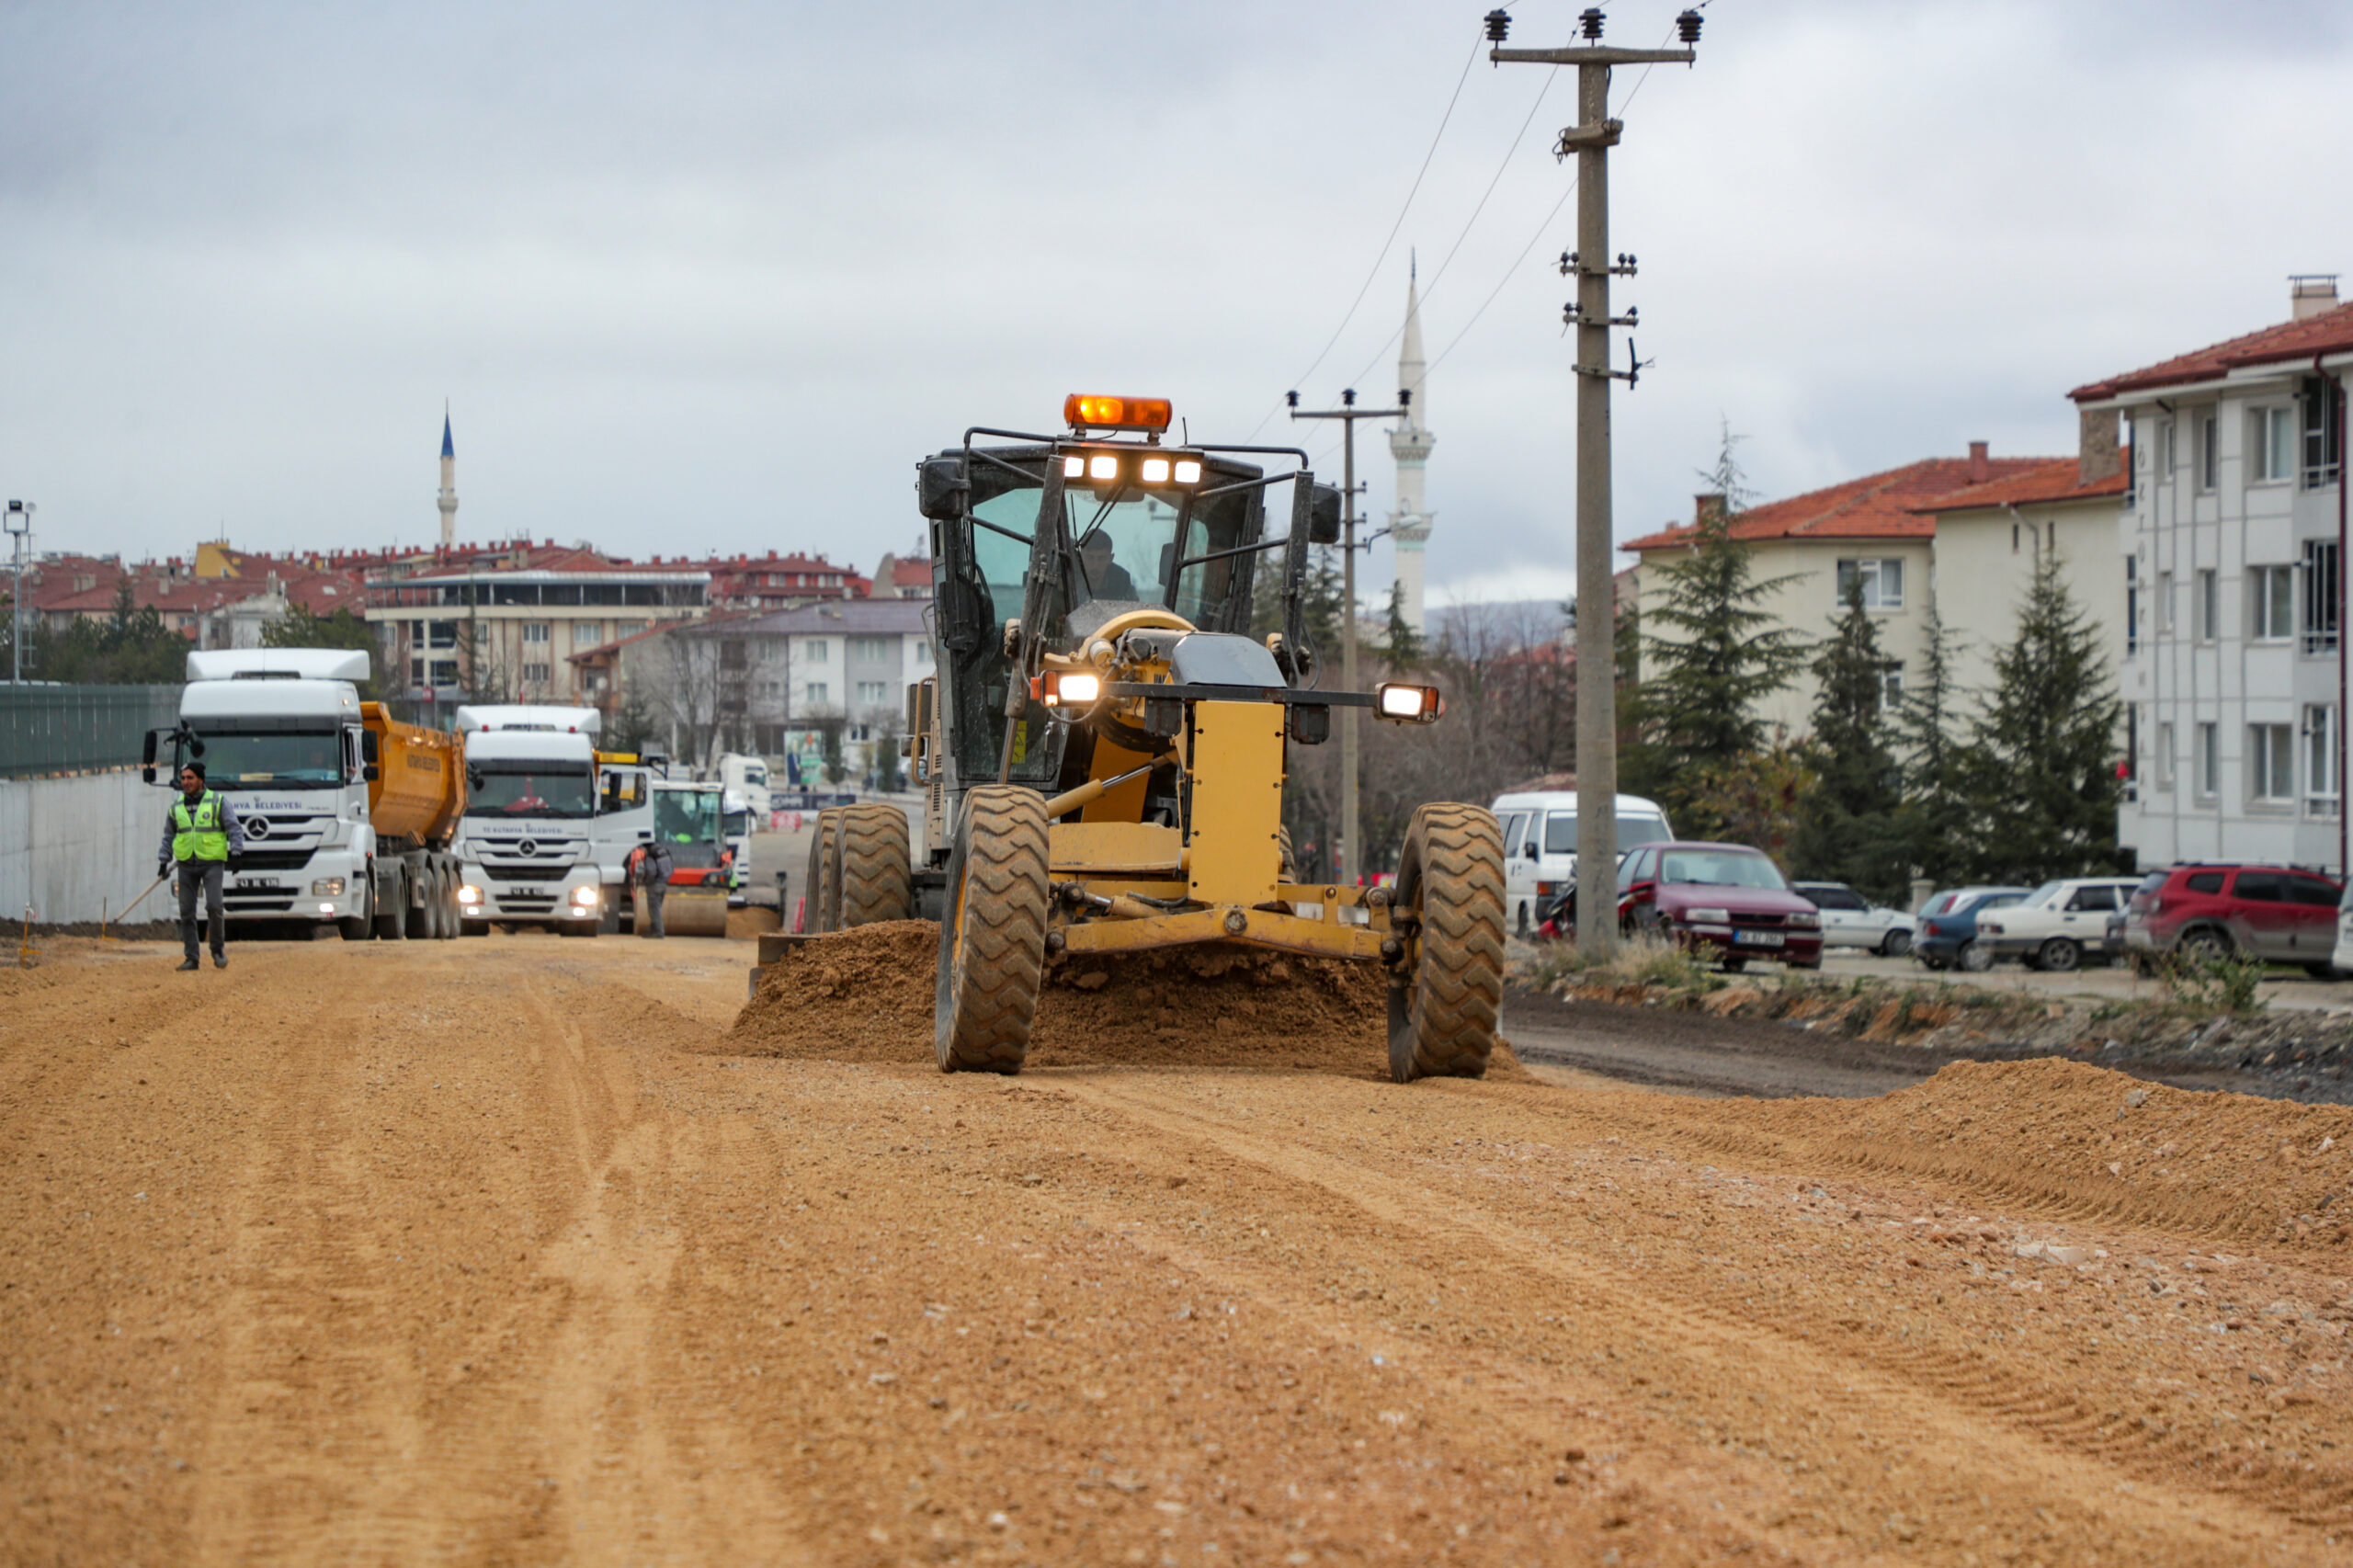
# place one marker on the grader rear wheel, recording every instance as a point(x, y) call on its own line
point(993, 936)
point(877, 881)
point(1444, 1001)
point(821, 889)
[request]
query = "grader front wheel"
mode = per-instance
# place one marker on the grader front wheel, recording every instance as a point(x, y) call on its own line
point(876, 880)
point(992, 935)
point(1445, 999)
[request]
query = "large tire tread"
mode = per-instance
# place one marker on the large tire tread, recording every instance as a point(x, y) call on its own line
point(1452, 872)
point(877, 875)
point(993, 942)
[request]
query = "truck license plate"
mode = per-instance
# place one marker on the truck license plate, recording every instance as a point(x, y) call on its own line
point(1757, 938)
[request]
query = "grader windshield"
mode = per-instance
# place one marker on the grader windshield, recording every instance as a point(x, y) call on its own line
point(1127, 543)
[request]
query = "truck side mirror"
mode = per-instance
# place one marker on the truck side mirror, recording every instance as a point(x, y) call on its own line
point(147, 758)
point(1323, 515)
point(940, 491)
point(370, 772)
point(369, 751)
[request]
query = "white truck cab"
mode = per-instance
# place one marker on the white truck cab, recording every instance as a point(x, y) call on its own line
point(1540, 844)
point(529, 839)
point(747, 776)
point(279, 732)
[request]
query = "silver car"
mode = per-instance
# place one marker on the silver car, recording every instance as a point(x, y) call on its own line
point(1850, 920)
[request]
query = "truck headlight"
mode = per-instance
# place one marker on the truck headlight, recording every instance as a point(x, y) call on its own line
point(327, 887)
point(470, 894)
point(584, 898)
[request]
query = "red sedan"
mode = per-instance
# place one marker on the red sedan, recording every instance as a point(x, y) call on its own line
point(1722, 900)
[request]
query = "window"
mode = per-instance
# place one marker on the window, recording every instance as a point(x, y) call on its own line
point(2165, 458)
point(623, 629)
point(2320, 759)
point(2321, 587)
point(2313, 892)
point(440, 634)
point(587, 633)
point(2271, 445)
point(2323, 405)
point(534, 675)
point(2101, 897)
point(1881, 580)
point(2132, 604)
point(2210, 450)
point(2206, 761)
point(2204, 881)
point(2260, 887)
point(2165, 601)
point(815, 692)
point(1891, 689)
point(535, 632)
point(871, 692)
point(2208, 609)
point(814, 650)
point(870, 650)
point(2271, 603)
point(2272, 764)
point(2164, 755)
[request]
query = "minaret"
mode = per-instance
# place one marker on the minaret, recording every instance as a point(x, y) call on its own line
point(1410, 443)
point(449, 483)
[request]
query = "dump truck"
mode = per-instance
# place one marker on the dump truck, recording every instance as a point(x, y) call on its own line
point(348, 813)
point(1104, 745)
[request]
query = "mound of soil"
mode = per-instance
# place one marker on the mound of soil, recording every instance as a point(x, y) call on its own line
point(867, 995)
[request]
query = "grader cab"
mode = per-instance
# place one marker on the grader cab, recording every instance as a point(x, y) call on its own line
point(1104, 744)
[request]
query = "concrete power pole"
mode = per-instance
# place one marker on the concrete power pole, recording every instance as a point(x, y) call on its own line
point(1347, 863)
point(1590, 139)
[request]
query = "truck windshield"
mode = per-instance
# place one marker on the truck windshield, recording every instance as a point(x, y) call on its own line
point(530, 790)
point(300, 759)
point(687, 816)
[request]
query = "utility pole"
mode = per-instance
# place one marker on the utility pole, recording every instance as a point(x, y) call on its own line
point(1590, 139)
point(1348, 862)
point(20, 531)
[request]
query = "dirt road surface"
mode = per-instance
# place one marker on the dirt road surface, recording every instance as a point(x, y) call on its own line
point(489, 1251)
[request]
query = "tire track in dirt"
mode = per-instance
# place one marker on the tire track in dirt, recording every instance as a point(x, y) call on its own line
point(1709, 1337)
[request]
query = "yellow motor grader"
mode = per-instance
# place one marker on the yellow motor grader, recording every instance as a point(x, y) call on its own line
point(1103, 747)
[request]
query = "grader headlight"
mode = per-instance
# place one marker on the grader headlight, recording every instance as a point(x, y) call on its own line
point(1068, 688)
point(1409, 704)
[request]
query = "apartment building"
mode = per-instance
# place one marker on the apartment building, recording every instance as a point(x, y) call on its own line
point(2233, 533)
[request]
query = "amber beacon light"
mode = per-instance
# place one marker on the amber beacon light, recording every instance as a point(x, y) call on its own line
point(1083, 411)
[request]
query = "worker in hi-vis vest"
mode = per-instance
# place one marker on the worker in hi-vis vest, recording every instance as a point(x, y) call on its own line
point(203, 838)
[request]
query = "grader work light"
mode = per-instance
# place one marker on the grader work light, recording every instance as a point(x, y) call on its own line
point(1083, 411)
point(1409, 704)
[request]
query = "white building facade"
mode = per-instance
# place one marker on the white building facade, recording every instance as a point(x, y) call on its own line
point(2233, 536)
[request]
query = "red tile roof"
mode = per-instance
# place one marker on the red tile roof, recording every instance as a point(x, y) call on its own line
point(2330, 332)
point(2058, 480)
point(1879, 505)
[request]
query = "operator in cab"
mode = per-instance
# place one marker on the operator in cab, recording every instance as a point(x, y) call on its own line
point(202, 839)
point(1106, 578)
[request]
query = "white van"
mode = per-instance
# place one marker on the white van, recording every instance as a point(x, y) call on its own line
point(1541, 843)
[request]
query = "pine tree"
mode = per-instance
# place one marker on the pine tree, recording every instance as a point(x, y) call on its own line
point(2047, 744)
point(1405, 648)
point(1848, 829)
point(1712, 656)
point(1938, 825)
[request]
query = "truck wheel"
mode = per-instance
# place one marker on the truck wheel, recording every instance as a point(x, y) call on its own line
point(445, 903)
point(993, 940)
point(877, 881)
point(1445, 999)
point(391, 925)
point(358, 927)
point(821, 888)
point(417, 910)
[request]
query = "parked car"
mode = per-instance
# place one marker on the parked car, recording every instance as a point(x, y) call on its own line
point(1850, 920)
point(2229, 910)
point(2058, 924)
point(2341, 959)
point(1725, 901)
point(1540, 845)
point(1948, 934)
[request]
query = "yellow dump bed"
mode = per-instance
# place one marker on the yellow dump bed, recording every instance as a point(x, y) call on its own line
point(419, 790)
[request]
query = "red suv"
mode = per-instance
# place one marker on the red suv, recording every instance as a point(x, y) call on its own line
point(2273, 912)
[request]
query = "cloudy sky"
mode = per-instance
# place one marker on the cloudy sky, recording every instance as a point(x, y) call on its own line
point(703, 277)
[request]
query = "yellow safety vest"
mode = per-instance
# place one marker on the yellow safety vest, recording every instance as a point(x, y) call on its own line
point(197, 834)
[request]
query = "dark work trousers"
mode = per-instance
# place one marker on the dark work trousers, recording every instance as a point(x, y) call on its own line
point(654, 893)
point(203, 875)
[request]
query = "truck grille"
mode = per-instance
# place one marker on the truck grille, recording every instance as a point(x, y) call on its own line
point(276, 859)
point(527, 873)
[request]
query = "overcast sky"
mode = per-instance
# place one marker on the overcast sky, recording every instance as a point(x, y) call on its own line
point(697, 276)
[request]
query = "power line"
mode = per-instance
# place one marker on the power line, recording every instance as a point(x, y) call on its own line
point(1387, 245)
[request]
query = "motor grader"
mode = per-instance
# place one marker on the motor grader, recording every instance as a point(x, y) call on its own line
point(1103, 747)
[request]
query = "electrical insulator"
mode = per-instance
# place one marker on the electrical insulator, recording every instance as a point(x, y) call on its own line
point(1589, 22)
point(1687, 27)
point(1499, 25)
